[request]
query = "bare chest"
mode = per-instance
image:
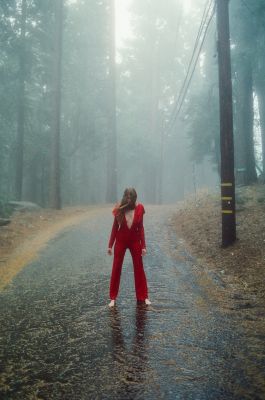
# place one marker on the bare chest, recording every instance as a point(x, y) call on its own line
point(129, 217)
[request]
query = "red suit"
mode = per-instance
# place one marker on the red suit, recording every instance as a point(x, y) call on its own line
point(133, 239)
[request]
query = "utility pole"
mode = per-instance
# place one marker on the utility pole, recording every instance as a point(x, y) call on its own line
point(226, 125)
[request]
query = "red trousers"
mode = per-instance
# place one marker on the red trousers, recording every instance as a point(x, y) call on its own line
point(139, 274)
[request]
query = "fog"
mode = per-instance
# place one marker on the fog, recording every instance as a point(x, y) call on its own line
point(98, 96)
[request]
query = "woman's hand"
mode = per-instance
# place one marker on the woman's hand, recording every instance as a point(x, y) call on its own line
point(143, 252)
point(109, 251)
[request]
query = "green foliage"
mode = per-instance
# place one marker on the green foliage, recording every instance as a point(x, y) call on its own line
point(248, 62)
point(84, 92)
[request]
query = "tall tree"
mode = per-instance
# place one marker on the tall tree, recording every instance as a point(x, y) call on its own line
point(86, 102)
point(244, 117)
point(8, 99)
point(260, 90)
point(259, 63)
point(111, 194)
point(55, 151)
point(21, 103)
point(150, 73)
point(243, 34)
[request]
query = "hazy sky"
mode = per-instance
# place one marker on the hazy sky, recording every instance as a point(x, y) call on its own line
point(123, 18)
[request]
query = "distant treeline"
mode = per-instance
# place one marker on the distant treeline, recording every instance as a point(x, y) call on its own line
point(76, 127)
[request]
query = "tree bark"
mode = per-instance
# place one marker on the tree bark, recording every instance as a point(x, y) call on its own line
point(55, 194)
point(21, 106)
point(260, 90)
point(153, 173)
point(245, 158)
point(261, 101)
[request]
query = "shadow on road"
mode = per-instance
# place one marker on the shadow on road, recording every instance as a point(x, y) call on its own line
point(130, 360)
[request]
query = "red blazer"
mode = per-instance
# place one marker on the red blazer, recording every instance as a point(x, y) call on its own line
point(125, 235)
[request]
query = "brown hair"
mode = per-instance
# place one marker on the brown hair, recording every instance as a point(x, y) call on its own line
point(123, 206)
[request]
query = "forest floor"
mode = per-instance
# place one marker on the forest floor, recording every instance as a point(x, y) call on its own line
point(197, 222)
point(241, 267)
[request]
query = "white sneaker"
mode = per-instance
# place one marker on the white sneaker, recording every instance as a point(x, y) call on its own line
point(147, 302)
point(112, 303)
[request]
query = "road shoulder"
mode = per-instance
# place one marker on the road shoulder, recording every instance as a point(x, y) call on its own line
point(29, 233)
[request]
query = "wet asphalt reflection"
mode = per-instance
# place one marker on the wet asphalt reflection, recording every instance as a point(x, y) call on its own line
point(59, 340)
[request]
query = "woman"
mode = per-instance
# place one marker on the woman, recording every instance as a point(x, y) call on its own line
point(128, 233)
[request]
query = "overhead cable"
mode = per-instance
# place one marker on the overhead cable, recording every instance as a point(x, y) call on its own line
point(204, 25)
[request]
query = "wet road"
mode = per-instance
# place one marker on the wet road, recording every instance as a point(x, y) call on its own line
point(59, 340)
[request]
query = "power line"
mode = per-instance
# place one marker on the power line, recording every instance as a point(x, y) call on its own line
point(203, 20)
point(182, 96)
point(204, 36)
point(187, 80)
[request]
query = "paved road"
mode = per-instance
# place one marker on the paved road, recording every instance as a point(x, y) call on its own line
point(59, 340)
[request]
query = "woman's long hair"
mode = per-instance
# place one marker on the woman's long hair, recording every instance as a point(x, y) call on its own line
point(124, 205)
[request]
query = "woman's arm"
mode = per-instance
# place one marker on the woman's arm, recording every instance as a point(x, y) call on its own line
point(142, 235)
point(113, 234)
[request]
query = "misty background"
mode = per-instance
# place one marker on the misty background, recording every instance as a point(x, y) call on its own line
point(100, 95)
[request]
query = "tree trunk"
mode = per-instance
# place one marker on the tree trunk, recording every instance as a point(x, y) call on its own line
point(21, 105)
point(261, 100)
point(161, 170)
point(153, 180)
point(111, 193)
point(151, 172)
point(55, 194)
point(44, 197)
point(245, 159)
point(260, 90)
